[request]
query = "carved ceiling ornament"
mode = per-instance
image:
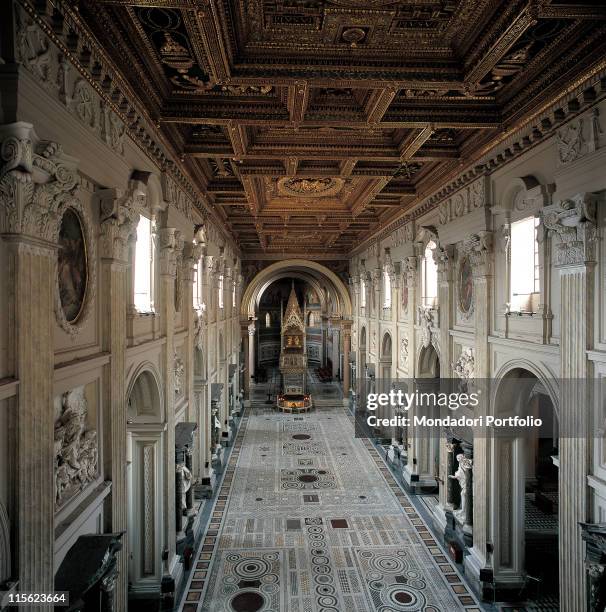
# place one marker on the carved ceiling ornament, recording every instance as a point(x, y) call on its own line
point(76, 446)
point(310, 187)
point(517, 53)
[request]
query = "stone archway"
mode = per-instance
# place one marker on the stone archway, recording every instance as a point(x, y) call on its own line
point(290, 267)
point(335, 302)
point(145, 479)
point(525, 481)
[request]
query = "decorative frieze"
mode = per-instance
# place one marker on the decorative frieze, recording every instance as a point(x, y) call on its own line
point(463, 202)
point(44, 61)
point(573, 221)
point(579, 137)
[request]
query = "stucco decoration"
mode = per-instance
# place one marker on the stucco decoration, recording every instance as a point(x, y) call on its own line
point(76, 449)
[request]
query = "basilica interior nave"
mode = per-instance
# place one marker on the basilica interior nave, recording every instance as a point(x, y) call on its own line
point(226, 227)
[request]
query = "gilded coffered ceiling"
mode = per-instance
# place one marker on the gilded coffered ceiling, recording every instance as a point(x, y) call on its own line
point(311, 124)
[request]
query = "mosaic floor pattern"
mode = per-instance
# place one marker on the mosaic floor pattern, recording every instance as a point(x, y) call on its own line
point(309, 519)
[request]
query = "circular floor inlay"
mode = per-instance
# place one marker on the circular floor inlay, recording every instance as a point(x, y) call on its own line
point(301, 437)
point(247, 601)
point(308, 478)
point(402, 597)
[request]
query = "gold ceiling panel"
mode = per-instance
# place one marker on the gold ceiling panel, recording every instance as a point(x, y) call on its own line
point(310, 123)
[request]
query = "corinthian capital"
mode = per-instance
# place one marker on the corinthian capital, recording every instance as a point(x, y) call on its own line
point(573, 221)
point(479, 247)
point(170, 244)
point(410, 267)
point(119, 211)
point(37, 183)
point(443, 257)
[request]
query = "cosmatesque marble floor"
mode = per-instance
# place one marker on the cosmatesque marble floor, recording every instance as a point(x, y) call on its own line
point(309, 519)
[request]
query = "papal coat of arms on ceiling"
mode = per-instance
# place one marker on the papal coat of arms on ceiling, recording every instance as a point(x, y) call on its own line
point(309, 187)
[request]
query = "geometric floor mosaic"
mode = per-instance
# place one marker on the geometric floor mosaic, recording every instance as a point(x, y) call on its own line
point(309, 519)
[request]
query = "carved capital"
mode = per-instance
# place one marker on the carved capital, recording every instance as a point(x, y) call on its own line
point(119, 212)
point(168, 242)
point(573, 221)
point(410, 267)
point(443, 257)
point(479, 247)
point(37, 183)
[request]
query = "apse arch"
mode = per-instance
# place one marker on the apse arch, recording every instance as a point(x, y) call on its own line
point(291, 267)
point(308, 278)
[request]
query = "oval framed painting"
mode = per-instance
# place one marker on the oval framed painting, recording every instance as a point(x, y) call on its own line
point(75, 268)
point(465, 286)
point(72, 265)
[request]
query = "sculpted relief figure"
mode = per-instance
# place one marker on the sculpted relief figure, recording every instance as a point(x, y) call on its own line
point(76, 450)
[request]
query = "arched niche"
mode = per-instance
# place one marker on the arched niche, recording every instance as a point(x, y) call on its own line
point(144, 404)
point(525, 475)
point(386, 347)
point(428, 363)
point(146, 479)
point(199, 364)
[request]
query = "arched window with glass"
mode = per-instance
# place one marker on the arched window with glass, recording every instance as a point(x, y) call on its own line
point(362, 292)
point(524, 281)
point(221, 287)
point(386, 289)
point(144, 266)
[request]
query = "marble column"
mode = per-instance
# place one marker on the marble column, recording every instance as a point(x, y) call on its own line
point(33, 190)
point(180, 534)
point(479, 249)
point(251, 350)
point(169, 243)
point(346, 349)
point(410, 266)
point(244, 337)
point(191, 255)
point(571, 224)
point(444, 258)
